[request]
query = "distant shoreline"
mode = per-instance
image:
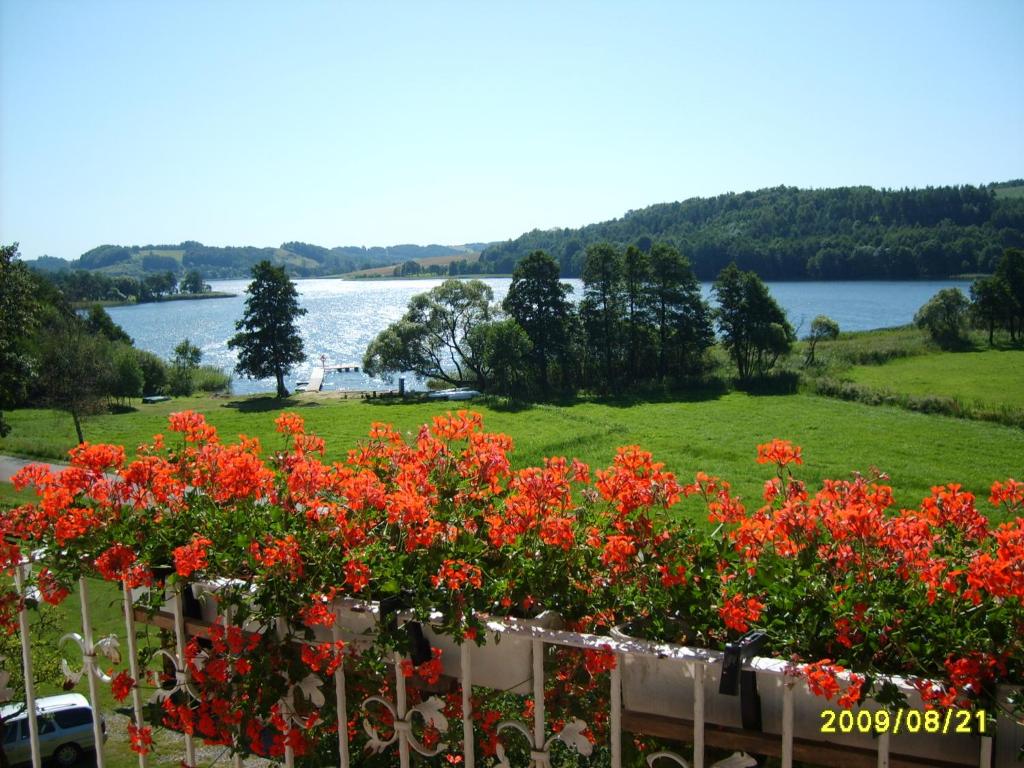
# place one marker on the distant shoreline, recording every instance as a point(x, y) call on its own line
point(161, 300)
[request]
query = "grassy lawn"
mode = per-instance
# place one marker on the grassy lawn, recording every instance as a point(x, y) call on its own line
point(717, 435)
point(993, 377)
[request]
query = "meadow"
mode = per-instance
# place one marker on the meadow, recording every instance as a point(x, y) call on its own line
point(718, 435)
point(992, 378)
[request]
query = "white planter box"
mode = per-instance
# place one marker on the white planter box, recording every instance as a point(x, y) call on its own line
point(665, 686)
point(503, 663)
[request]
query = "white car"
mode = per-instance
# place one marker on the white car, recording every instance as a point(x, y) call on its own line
point(65, 730)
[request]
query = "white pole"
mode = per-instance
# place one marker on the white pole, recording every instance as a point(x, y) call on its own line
point(616, 714)
point(787, 723)
point(538, 696)
point(26, 663)
point(468, 749)
point(179, 639)
point(339, 696)
point(133, 661)
point(698, 714)
point(403, 733)
point(89, 659)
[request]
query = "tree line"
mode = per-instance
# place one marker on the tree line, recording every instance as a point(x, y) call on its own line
point(996, 303)
point(641, 321)
point(81, 286)
point(79, 361)
point(786, 233)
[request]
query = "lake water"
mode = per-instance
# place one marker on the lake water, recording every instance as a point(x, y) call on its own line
point(345, 315)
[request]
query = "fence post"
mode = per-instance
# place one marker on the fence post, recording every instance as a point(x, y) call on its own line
point(26, 661)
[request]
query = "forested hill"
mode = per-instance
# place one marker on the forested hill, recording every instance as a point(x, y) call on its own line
point(301, 259)
point(787, 233)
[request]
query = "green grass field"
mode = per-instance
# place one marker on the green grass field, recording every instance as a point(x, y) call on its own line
point(716, 435)
point(993, 377)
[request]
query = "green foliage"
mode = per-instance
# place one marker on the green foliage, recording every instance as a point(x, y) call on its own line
point(506, 348)
point(823, 328)
point(268, 341)
point(754, 327)
point(788, 233)
point(18, 313)
point(210, 378)
point(192, 282)
point(944, 316)
point(154, 372)
point(679, 315)
point(601, 310)
point(127, 379)
point(539, 303)
point(183, 366)
point(99, 322)
point(75, 368)
point(433, 340)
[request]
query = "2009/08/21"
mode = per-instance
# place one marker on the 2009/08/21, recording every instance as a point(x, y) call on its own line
point(904, 720)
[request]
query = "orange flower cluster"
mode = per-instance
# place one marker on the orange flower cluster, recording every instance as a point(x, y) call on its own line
point(838, 573)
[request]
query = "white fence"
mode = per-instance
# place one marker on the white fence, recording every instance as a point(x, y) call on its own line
point(644, 673)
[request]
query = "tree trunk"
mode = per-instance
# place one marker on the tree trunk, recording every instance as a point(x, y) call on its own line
point(282, 392)
point(78, 426)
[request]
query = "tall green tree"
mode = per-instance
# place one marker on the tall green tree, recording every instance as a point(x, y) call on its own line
point(433, 338)
point(18, 314)
point(183, 367)
point(76, 367)
point(538, 301)
point(601, 309)
point(127, 376)
point(636, 276)
point(991, 304)
point(754, 327)
point(1010, 272)
point(681, 317)
point(268, 341)
point(505, 349)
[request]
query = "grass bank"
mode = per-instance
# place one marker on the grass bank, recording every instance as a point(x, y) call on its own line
point(718, 435)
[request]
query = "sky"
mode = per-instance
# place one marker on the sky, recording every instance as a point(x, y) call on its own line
point(344, 123)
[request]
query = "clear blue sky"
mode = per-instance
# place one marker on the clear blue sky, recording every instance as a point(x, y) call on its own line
point(343, 123)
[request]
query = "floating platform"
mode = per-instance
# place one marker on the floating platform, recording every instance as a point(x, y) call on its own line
point(317, 373)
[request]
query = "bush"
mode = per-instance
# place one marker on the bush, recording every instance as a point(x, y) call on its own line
point(154, 372)
point(210, 378)
point(944, 316)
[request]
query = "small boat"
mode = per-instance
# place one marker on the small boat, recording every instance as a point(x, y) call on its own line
point(463, 393)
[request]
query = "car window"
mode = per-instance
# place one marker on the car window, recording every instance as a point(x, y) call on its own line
point(70, 718)
point(46, 725)
point(11, 731)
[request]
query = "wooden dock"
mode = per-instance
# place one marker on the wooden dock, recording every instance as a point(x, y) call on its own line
point(317, 373)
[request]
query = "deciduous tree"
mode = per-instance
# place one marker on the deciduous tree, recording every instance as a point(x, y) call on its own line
point(944, 316)
point(822, 328)
point(754, 327)
point(17, 318)
point(432, 339)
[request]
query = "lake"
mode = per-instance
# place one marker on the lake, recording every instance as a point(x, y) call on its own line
point(345, 315)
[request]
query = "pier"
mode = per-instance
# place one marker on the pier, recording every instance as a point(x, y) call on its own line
point(317, 373)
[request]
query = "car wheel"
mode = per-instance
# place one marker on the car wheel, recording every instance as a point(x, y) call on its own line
point(67, 755)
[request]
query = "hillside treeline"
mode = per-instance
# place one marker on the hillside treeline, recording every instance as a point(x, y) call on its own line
point(785, 233)
point(302, 259)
